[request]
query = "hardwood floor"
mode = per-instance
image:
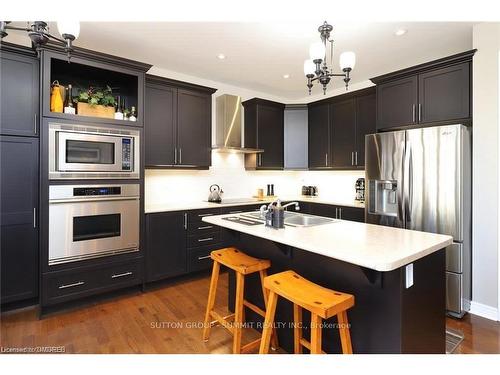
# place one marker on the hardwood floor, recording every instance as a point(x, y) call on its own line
point(162, 320)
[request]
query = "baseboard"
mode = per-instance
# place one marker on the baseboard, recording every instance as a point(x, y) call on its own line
point(484, 311)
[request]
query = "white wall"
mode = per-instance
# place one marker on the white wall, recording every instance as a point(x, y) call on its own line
point(228, 171)
point(485, 220)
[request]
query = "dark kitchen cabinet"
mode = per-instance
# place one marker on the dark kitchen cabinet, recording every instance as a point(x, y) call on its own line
point(337, 129)
point(366, 123)
point(434, 93)
point(19, 218)
point(319, 135)
point(165, 245)
point(338, 212)
point(343, 133)
point(19, 80)
point(264, 129)
point(194, 128)
point(178, 124)
point(444, 94)
point(160, 117)
point(397, 103)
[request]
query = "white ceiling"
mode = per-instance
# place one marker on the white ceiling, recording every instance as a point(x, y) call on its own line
point(259, 54)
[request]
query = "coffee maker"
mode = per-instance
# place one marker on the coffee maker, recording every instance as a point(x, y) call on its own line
point(360, 189)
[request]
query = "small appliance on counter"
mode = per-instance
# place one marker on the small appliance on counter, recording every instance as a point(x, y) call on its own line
point(310, 190)
point(360, 190)
point(215, 193)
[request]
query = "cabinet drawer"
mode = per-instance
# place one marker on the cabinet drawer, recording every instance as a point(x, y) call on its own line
point(199, 259)
point(204, 239)
point(240, 209)
point(195, 217)
point(202, 229)
point(71, 284)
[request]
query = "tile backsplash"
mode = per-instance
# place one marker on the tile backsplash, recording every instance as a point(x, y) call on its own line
point(228, 171)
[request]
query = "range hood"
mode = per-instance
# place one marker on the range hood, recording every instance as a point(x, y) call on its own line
point(228, 126)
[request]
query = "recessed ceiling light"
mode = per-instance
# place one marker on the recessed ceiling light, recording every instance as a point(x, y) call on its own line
point(400, 32)
point(221, 56)
point(286, 76)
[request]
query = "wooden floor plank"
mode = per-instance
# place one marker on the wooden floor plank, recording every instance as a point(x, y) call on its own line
point(145, 323)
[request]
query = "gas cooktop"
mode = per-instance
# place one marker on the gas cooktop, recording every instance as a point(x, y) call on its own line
point(239, 200)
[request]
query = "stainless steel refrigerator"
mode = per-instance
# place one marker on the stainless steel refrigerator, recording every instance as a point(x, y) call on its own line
point(420, 179)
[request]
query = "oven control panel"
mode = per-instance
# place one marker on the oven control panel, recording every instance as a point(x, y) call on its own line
point(126, 154)
point(85, 191)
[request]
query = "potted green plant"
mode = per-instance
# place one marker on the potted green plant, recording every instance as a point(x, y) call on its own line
point(96, 102)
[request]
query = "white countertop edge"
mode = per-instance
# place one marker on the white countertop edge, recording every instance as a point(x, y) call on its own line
point(199, 205)
point(377, 265)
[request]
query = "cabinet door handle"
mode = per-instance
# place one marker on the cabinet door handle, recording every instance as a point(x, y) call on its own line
point(355, 157)
point(35, 127)
point(64, 286)
point(185, 221)
point(336, 212)
point(34, 217)
point(206, 227)
point(203, 215)
point(180, 155)
point(326, 159)
point(205, 239)
point(340, 213)
point(419, 112)
point(413, 113)
point(175, 155)
point(352, 157)
point(235, 212)
point(115, 276)
point(205, 257)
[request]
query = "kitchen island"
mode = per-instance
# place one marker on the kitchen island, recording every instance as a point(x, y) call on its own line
point(397, 277)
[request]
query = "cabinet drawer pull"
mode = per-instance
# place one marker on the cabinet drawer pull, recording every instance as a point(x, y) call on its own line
point(206, 227)
point(205, 239)
point(202, 215)
point(115, 276)
point(205, 257)
point(64, 286)
point(235, 212)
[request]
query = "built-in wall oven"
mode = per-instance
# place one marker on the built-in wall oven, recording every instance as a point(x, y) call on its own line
point(90, 152)
point(88, 221)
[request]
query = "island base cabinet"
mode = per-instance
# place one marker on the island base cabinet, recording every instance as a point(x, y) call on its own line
point(387, 316)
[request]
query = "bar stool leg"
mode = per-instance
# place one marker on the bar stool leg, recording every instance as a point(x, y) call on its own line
point(297, 329)
point(238, 312)
point(345, 336)
point(268, 323)
point(211, 300)
point(315, 334)
point(265, 293)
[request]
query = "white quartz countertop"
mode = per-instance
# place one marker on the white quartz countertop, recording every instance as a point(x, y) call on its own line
point(195, 205)
point(372, 246)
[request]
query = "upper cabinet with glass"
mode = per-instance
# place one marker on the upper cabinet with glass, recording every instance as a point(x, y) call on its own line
point(92, 87)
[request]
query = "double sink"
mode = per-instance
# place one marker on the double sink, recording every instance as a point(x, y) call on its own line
point(293, 219)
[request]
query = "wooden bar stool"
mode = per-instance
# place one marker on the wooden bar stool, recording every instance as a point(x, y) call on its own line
point(323, 303)
point(242, 264)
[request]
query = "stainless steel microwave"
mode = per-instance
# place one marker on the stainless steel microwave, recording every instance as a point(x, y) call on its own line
point(90, 152)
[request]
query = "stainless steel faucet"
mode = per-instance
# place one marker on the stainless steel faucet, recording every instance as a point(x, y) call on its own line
point(297, 206)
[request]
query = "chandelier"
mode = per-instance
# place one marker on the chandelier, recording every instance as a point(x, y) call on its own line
point(316, 68)
point(39, 34)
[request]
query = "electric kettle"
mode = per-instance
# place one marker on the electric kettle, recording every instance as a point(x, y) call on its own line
point(215, 193)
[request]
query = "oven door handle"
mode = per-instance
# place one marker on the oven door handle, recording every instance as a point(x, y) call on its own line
point(80, 200)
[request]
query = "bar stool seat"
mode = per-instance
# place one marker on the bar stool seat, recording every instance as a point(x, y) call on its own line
point(243, 265)
point(323, 303)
